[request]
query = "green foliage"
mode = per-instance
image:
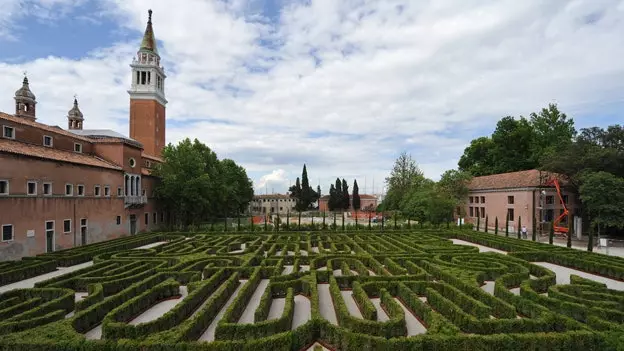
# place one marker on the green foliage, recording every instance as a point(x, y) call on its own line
point(496, 225)
point(345, 195)
point(404, 177)
point(303, 193)
point(195, 186)
point(356, 196)
point(602, 194)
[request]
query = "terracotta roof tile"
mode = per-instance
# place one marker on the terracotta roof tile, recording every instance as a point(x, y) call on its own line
point(43, 127)
point(521, 179)
point(18, 148)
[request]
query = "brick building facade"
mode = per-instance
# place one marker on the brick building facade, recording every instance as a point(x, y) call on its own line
point(63, 188)
point(518, 195)
point(367, 202)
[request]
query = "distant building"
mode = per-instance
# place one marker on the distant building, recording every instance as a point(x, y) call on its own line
point(517, 194)
point(272, 204)
point(63, 188)
point(367, 202)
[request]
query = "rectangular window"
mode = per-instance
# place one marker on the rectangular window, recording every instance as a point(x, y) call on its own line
point(510, 214)
point(118, 220)
point(80, 190)
point(69, 189)
point(47, 141)
point(476, 212)
point(482, 212)
point(154, 217)
point(4, 187)
point(83, 222)
point(482, 199)
point(143, 78)
point(476, 199)
point(47, 189)
point(78, 147)
point(162, 217)
point(549, 216)
point(471, 211)
point(147, 219)
point(7, 232)
point(8, 132)
point(510, 200)
point(67, 226)
point(119, 191)
point(471, 199)
point(107, 190)
point(96, 190)
point(31, 188)
point(138, 77)
point(565, 199)
point(550, 200)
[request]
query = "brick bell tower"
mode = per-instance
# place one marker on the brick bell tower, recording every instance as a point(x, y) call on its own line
point(147, 95)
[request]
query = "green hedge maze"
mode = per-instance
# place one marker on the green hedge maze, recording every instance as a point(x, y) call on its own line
point(397, 290)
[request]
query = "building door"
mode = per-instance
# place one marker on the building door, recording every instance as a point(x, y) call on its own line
point(83, 230)
point(49, 233)
point(133, 224)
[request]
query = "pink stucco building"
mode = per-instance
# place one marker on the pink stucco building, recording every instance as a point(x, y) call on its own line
point(518, 195)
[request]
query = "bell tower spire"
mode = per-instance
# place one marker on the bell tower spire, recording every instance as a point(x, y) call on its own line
point(147, 95)
point(75, 118)
point(25, 101)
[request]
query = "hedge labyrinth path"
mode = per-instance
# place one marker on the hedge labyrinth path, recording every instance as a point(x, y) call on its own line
point(400, 290)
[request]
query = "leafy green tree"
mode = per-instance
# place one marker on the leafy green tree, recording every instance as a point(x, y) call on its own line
point(345, 195)
point(478, 157)
point(356, 196)
point(552, 129)
point(513, 140)
point(455, 184)
point(428, 202)
point(195, 186)
point(404, 175)
point(603, 195)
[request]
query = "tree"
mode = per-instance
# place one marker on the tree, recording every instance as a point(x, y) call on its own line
point(339, 195)
point(455, 184)
point(195, 186)
point(603, 195)
point(318, 195)
point(331, 202)
point(356, 196)
point(345, 195)
point(428, 202)
point(404, 175)
point(303, 193)
point(478, 157)
point(513, 140)
point(552, 129)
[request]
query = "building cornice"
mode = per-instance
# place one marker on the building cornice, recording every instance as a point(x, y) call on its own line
point(140, 95)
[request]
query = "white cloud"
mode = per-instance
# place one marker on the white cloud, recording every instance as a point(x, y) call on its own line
point(268, 182)
point(344, 86)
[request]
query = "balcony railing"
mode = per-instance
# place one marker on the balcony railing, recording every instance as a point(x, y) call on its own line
point(135, 200)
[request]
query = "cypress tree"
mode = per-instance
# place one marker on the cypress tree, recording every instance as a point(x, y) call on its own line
point(590, 241)
point(277, 222)
point(356, 196)
point(343, 226)
point(570, 231)
point(519, 227)
point(331, 202)
point(383, 219)
point(486, 224)
point(395, 219)
point(306, 194)
point(323, 228)
point(345, 195)
point(409, 222)
point(288, 220)
point(478, 223)
point(265, 224)
point(370, 227)
point(551, 233)
point(335, 226)
point(238, 219)
point(299, 225)
point(252, 223)
point(507, 225)
point(496, 225)
point(534, 229)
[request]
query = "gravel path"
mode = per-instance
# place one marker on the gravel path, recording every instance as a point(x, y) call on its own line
point(488, 287)
point(303, 311)
point(254, 302)
point(353, 308)
point(304, 268)
point(414, 327)
point(209, 334)
point(95, 333)
point(382, 316)
point(160, 308)
point(481, 247)
point(149, 246)
point(563, 276)
point(277, 308)
point(288, 270)
point(30, 282)
point(326, 304)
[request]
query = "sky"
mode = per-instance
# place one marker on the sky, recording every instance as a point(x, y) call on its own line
point(343, 86)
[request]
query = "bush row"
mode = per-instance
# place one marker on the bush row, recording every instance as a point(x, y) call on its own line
point(37, 307)
point(25, 269)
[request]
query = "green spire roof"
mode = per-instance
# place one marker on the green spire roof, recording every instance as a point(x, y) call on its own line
point(149, 40)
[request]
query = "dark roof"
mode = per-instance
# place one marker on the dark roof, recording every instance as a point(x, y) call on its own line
point(24, 91)
point(521, 179)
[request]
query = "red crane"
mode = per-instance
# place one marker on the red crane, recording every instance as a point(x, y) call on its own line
point(559, 229)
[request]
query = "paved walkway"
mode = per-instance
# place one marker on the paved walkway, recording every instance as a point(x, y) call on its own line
point(254, 302)
point(30, 282)
point(326, 304)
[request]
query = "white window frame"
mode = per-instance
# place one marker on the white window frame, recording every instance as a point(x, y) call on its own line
point(43, 189)
point(7, 187)
point(107, 192)
point(118, 220)
point(70, 226)
point(71, 193)
point(97, 190)
point(78, 149)
point(51, 141)
point(4, 128)
point(12, 233)
point(45, 231)
point(28, 188)
point(80, 186)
